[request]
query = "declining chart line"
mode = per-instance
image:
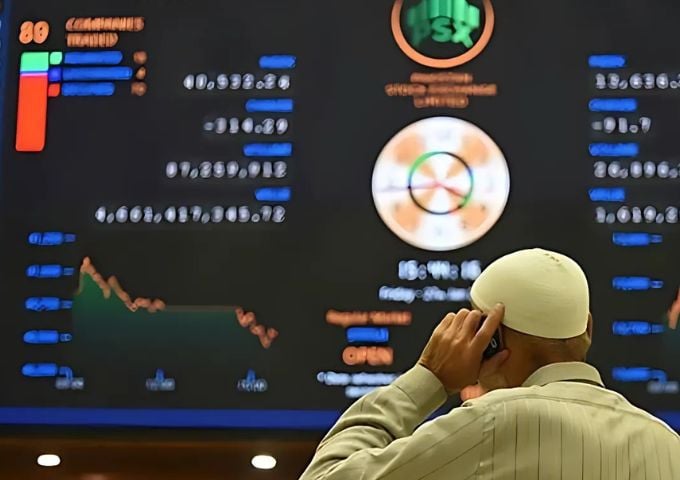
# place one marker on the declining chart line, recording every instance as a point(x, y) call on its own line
point(110, 285)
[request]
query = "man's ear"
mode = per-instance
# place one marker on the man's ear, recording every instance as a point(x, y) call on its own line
point(589, 328)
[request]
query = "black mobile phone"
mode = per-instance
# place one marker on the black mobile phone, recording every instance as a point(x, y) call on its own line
point(495, 345)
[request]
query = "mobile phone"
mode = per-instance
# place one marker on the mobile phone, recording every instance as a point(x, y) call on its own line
point(496, 343)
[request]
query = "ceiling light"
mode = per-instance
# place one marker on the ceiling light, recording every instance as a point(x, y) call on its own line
point(49, 460)
point(263, 462)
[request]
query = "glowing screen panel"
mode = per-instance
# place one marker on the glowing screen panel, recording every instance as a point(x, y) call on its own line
point(250, 213)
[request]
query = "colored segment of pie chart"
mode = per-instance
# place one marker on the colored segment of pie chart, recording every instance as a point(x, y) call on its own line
point(440, 184)
point(460, 196)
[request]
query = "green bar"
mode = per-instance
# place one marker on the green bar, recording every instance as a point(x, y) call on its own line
point(422, 10)
point(434, 10)
point(473, 17)
point(411, 19)
point(56, 58)
point(459, 10)
point(34, 62)
point(447, 8)
point(417, 14)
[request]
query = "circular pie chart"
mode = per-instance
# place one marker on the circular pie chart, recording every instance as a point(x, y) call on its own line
point(440, 184)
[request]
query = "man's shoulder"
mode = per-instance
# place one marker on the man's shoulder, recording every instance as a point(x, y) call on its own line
point(534, 400)
point(564, 391)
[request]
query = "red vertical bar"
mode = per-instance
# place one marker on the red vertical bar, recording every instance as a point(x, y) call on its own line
point(32, 113)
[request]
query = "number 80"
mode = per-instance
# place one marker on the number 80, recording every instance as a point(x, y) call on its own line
point(34, 32)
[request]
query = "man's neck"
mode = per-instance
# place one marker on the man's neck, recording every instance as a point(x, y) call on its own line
point(541, 361)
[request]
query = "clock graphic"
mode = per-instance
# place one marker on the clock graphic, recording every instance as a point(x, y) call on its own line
point(440, 184)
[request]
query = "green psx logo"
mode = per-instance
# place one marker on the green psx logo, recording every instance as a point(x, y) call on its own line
point(443, 21)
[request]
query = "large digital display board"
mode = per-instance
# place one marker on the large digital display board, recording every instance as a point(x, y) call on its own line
point(225, 213)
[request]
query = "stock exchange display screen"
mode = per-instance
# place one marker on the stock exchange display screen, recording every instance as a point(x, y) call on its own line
point(225, 213)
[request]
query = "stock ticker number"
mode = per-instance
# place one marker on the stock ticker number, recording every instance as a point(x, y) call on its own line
point(623, 125)
point(228, 170)
point(232, 126)
point(191, 214)
point(636, 215)
point(636, 169)
point(637, 81)
point(236, 81)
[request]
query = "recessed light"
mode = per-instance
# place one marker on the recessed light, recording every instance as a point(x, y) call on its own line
point(263, 462)
point(49, 460)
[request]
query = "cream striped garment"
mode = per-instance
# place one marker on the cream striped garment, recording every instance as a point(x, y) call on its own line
point(561, 424)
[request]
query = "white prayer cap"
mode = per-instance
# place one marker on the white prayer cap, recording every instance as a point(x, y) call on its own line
point(545, 293)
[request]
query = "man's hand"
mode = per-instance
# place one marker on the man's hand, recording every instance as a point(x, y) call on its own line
point(454, 352)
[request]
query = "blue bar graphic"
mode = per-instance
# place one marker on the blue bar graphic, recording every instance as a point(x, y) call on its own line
point(613, 105)
point(635, 239)
point(277, 62)
point(638, 374)
point(628, 328)
point(99, 89)
point(168, 417)
point(40, 370)
point(635, 283)
point(614, 149)
point(49, 271)
point(368, 335)
point(47, 304)
point(268, 149)
point(607, 61)
point(96, 73)
point(54, 74)
point(49, 239)
point(672, 418)
point(607, 194)
point(278, 105)
point(280, 194)
point(93, 58)
point(46, 337)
